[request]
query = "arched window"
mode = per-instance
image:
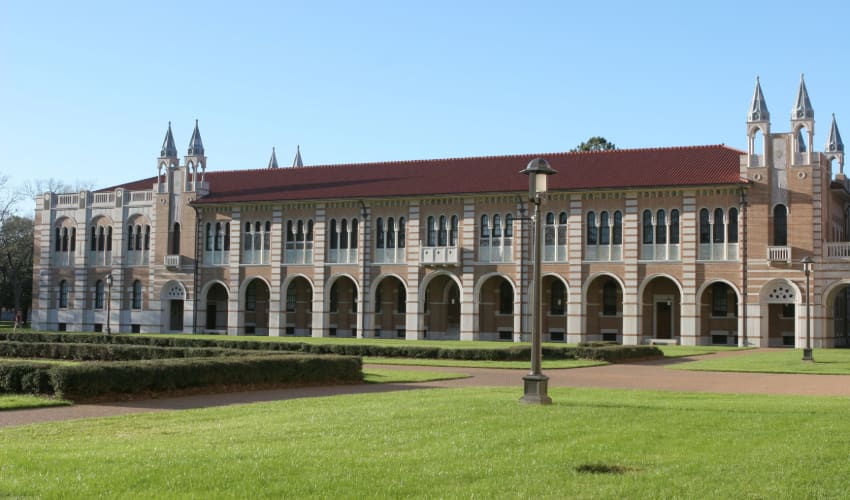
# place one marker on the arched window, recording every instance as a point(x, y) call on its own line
point(57, 238)
point(334, 235)
point(432, 231)
point(64, 239)
point(604, 228)
point(780, 225)
point(497, 226)
point(130, 237)
point(453, 235)
point(557, 298)
point(562, 228)
point(219, 238)
point(258, 235)
point(509, 226)
point(379, 233)
point(647, 227)
point(98, 294)
point(390, 233)
point(137, 294)
point(353, 233)
point(618, 228)
point(591, 228)
point(249, 239)
point(442, 236)
point(549, 230)
point(226, 236)
point(267, 237)
point(93, 238)
point(485, 227)
point(209, 238)
point(719, 233)
point(63, 294)
point(73, 239)
point(704, 227)
point(108, 238)
point(674, 227)
point(506, 298)
point(732, 226)
point(401, 232)
point(661, 227)
point(101, 239)
point(343, 234)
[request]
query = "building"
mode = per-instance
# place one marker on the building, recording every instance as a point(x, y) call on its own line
point(696, 245)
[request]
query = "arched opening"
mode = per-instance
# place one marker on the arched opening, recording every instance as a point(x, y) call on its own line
point(173, 312)
point(837, 303)
point(298, 313)
point(215, 317)
point(495, 309)
point(660, 309)
point(779, 301)
point(256, 308)
point(757, 145)
point(718, 315)
point(780, 226)
point(554, 305)
point(441, 309)
point(342, 308)
point(390, 308)
point(604, 310)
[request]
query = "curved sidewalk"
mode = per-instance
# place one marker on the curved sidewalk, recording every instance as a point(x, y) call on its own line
point(647, 375)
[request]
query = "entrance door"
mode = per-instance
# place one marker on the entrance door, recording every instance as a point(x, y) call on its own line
point(176, 316)
point(663, 320)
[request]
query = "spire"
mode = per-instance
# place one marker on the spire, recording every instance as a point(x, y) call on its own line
point(196, 145)
point(297, 161)
point(758, 109)
point(169, 150)
point(833, 141)
point(273, 160)
point(802, 107)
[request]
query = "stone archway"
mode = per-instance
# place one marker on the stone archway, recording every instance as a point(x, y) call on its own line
point(298, 307)
point(389, 298)
point(718, 311)
point(779, 301)
point(603, 303)
point(215, 311)
point(439, 308)
point(255, 302)
point(341, 305)
point(660, 312)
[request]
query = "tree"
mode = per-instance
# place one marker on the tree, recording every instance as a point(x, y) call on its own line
point(595, 143)
point(16, 247)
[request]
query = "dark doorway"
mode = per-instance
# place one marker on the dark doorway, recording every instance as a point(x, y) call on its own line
point(176, 316)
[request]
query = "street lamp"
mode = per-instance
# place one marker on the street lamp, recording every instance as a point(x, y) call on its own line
point(807, 268)
point(108, 302)
point(535, 383)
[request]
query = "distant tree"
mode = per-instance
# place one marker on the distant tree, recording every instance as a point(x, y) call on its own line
point(596, 143)
point(8, 199)
point(16, 247)
point(33, 188)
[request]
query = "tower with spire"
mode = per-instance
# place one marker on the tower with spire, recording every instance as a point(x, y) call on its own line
point(758, 120)
point(167, 160)
point(296, 162)
point(273, 160)
point(802, 117)
point(195, 159)
point(834, 148)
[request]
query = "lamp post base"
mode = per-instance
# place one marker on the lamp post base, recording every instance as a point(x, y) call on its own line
point(536, 390)
point(807, 354)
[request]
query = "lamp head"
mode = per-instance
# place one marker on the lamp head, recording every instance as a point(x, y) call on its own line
point(538, 170)
point(807, 263)
point(109, 280)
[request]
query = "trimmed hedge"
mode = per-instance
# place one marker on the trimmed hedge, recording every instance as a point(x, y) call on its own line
point(106, 352)
point(90, 380)
point(614, 353)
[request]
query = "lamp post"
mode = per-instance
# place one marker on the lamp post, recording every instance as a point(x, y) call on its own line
point(535, 383)
point(108, 302)
point(807, 268)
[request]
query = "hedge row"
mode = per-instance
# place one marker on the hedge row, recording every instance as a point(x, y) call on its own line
point(107, 352)
point(90, 380)
point(614, 353)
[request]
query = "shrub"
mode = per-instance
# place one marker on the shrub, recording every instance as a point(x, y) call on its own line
point(614, 353)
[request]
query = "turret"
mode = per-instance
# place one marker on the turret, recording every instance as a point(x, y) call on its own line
point(273, 160)
point(802, 117)
point(758, 120)
point(167, 158)
point(834, 148)
point(296, 162)
point(195, 158)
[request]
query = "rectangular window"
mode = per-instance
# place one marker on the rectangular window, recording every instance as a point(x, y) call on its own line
point(719, 301)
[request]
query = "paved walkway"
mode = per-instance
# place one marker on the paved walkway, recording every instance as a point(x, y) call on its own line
point(647, 375)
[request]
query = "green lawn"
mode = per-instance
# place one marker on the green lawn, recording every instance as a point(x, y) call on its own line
point(384, 376)
point(20, 401)
point(453, 443)
point(678, 351)
point(827, 362)
point(463, 363)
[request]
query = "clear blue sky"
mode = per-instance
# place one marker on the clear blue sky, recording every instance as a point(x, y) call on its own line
point(87, 89)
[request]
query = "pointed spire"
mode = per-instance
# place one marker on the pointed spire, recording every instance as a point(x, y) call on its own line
point(273, 160)
point(833, 141)
point(196, 145)
point(169, 150)
point(297, 161)
point(802, 107)
point(758, 109)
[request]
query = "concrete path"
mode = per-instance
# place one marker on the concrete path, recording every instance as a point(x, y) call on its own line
point(651, 375)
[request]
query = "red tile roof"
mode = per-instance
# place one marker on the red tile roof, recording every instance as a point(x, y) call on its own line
point(634, 168)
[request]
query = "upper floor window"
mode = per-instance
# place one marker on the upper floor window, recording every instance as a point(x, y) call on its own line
point(780, 226)
point(555, 237)
point(342, 248)
point(101, 244)
point(718, 234)
point(136, 299)
point(299, 241)
point(217, 242)
point(138, 244)
point(442, 231)
point(63, 294)
point(604, 236)
point(389, 240)
point(496, 238)
point(175, 239)
point(257, 242)
point(660, 236)
point(65, 244)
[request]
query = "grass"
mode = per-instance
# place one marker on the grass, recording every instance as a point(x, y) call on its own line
point(451, 443)
point(384, 376)
point(463, 363)
point(679, 351)
point(827, 362)
point(21, 401)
